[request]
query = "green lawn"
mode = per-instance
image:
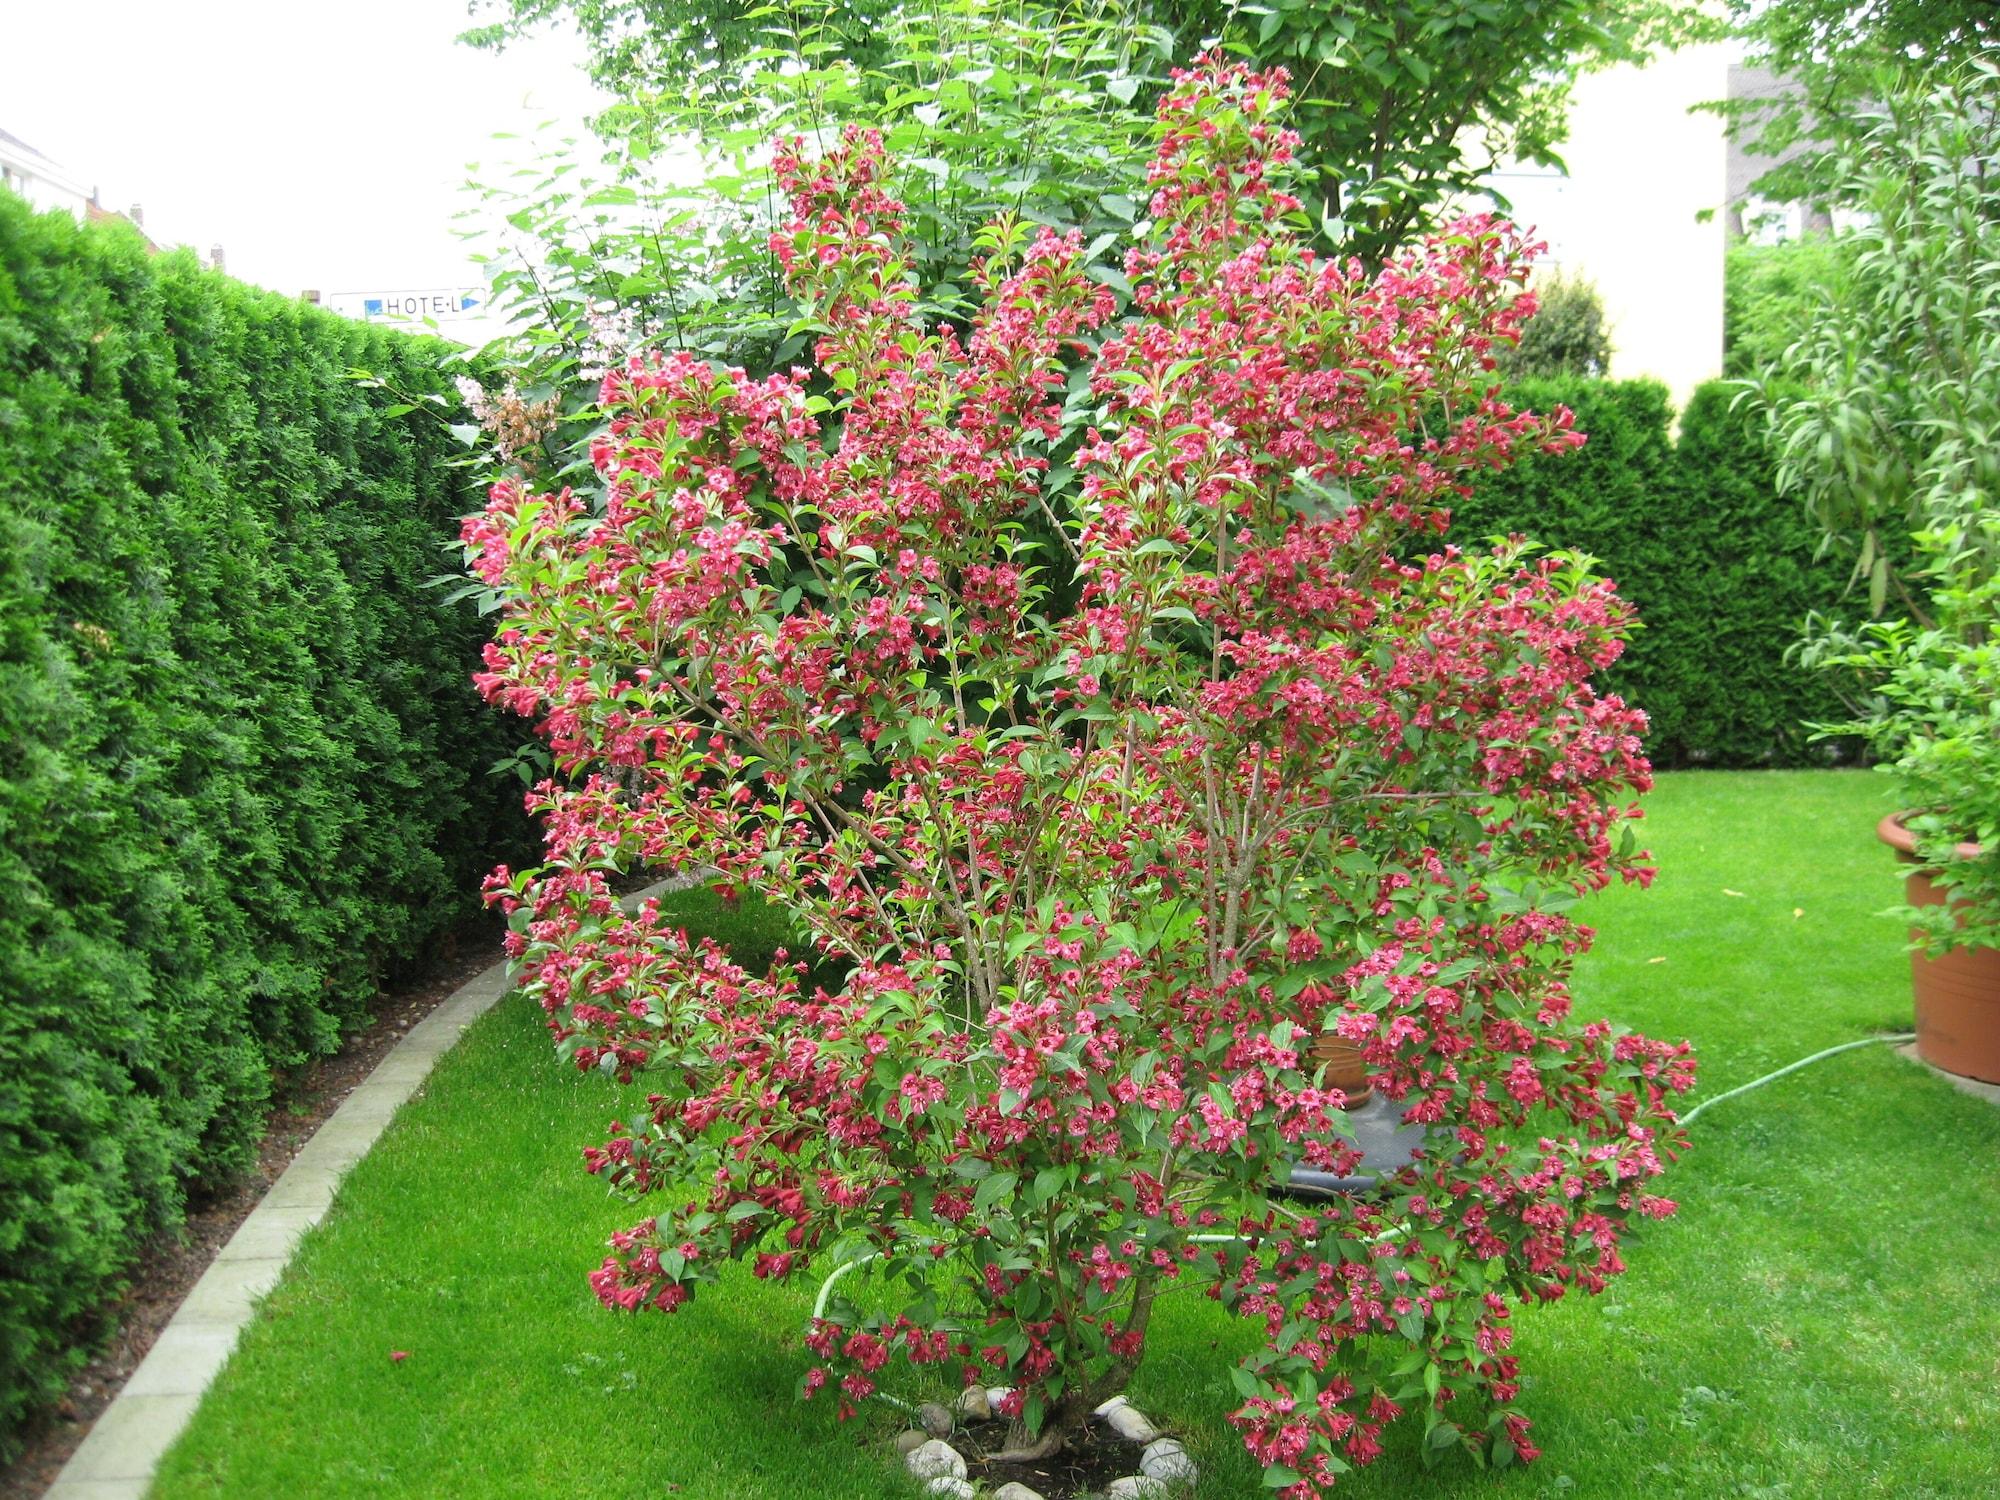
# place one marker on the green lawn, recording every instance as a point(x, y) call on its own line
point(1821, 1319)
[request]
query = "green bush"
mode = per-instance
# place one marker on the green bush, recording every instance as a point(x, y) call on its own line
point(241, 765)
point(1722, 571)
point(1769, 293)
point(1566, 336)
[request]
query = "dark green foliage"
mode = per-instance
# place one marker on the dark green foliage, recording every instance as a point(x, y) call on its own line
point(1566, 336)
point(1721, 570)
point(241, 765)
point(1769, 296)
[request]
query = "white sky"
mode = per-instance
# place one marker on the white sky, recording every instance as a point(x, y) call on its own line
point(322, 144)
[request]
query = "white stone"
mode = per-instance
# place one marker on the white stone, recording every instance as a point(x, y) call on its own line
point(1110, 1406)
point(935, 1460)
point(1013, 1489)
point(1137, 1487)
point(1130, 1423)
point(972, 1404)
point(995, 1394)
point(1168, 1462)
point(958, 1489)
point(935, 1420)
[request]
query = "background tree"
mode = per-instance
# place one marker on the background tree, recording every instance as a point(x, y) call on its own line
point(657, 231)
point(1407, 106)
point(1403, 107)
point(1566, 336)
point(1832, 52)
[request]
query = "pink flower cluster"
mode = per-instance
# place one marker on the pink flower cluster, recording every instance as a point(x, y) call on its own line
point(1098, 694)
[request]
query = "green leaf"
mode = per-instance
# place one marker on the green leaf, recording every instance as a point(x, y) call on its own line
point(1112, 277)
point(996, 1187)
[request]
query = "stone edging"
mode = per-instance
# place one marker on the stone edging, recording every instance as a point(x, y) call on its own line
point(1165, 1470)
point(117, 1458)
point(123, 1449)
point(1990, 1092)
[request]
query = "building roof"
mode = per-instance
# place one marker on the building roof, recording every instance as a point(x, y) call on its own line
point(8, 138)
point(40, 163)
point(1748, 85)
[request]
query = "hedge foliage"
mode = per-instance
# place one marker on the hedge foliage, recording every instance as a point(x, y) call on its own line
point(1567, 335)
point(1721, 569)
point(1770, 293)
point(242, 772)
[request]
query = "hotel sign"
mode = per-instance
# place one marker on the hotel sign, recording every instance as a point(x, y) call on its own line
point(413, 305)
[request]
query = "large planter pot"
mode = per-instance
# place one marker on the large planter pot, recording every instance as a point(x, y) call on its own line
point(1345, 1069)
point(1957, 993)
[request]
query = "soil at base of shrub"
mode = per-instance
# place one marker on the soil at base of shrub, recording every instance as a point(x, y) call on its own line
point(170, 1265)
point(1085, 1468)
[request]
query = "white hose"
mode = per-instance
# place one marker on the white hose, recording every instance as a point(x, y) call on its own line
point(1758, 1083)
point(826, 1287)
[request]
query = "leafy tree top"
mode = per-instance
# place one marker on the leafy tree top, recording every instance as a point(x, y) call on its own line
point(1402, 107)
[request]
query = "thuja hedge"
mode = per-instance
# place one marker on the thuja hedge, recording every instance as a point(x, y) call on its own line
point(1720, 567)
point(242, 772)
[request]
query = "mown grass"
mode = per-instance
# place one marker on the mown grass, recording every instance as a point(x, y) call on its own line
point(1821, 1319)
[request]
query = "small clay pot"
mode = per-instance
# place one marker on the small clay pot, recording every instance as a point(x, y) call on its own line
point(1957, 993)
point(1345, 1069)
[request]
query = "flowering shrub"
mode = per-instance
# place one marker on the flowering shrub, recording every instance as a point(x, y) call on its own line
point(1112, 732)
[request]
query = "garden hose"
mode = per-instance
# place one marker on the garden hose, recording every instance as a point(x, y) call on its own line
point(826, 1287)
point(1758, 1083)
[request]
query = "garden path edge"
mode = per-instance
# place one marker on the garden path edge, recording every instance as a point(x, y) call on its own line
point(119, 1456)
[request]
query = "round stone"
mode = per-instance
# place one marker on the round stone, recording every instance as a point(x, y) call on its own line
point(958, 1489)
point(1136, 1487)
point(1013, 1489)
point(1130, 1423)
point(935, 1460)
point(1167, 1461)
point(935, 1419)
point(973, 1404)
point(911, 1438)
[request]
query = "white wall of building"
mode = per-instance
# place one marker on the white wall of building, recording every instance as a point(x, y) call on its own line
point(42, 182)
point(1628, 213)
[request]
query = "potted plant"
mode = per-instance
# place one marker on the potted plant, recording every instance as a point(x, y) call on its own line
point(1889, 429)
point(1939, 717)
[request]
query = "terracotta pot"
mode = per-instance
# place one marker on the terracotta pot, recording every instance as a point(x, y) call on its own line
point(1957, 993)
point(1344, 1068)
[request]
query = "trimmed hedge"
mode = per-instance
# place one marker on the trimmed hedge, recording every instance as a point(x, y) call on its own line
point(1721, 569)
point(242, 771)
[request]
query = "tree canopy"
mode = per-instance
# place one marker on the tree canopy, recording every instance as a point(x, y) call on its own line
point(1403, 106)
point(1839, 56)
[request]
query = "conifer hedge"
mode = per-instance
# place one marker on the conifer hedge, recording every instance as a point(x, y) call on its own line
point(242, 772)
point(1720, 567)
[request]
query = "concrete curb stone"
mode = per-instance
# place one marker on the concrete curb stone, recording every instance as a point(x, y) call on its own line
point(119, 1456)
